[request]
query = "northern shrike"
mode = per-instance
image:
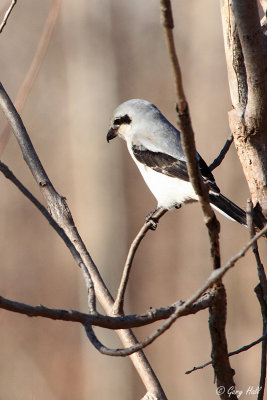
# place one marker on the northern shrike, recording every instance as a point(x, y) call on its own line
point(155, 146)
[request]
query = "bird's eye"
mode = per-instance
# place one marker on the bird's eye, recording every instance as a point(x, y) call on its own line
point(125, 119)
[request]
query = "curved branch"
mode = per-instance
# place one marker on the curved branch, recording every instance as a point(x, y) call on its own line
point(118, 304)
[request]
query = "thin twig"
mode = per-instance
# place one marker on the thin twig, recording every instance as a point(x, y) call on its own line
point(261, 292)
point(7, 14)
point(260, 296)
point(222, 154)
point(33, 71)
point(9, 175)
point(118, 304)
point(232, 353)
point(167, 22)
point(255, 249)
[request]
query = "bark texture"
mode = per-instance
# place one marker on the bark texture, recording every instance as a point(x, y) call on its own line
point(245, 47)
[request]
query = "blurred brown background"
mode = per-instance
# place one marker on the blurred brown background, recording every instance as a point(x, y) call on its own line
point(103, 53)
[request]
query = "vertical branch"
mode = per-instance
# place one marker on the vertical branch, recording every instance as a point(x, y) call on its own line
point(260, 296)
point(217, 320)
point(167, 22)
point(261, 292)
point(219, 354)
point(255, 249)
point(187, 137)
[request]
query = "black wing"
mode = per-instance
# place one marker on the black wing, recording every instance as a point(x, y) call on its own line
point(168, 165)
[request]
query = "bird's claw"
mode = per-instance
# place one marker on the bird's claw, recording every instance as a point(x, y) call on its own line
point(149, 215)
point(153, 224)
point(149, 218)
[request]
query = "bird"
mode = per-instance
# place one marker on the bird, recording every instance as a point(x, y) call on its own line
point(155, 146)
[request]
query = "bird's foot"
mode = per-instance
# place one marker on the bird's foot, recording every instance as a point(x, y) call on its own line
point(149, 218)
point(149, 215)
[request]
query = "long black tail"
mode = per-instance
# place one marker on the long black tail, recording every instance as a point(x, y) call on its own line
point(228, 208)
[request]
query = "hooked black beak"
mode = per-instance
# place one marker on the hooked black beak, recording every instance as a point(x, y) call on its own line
point(112, 133)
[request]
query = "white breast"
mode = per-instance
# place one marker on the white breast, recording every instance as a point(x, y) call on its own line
point(167, 190)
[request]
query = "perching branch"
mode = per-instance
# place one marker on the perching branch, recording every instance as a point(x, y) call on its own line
point(7, 15)
point(118, 304)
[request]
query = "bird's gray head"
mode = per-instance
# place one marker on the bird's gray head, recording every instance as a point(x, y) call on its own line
point(129, 114)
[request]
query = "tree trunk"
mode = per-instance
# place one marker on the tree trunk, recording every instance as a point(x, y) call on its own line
point(245, 48)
